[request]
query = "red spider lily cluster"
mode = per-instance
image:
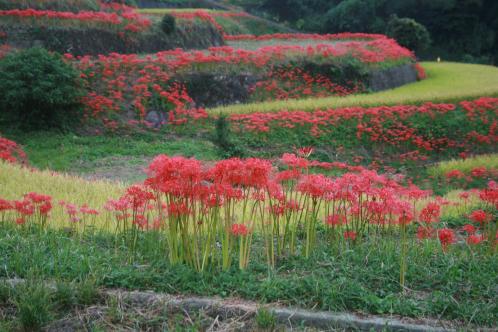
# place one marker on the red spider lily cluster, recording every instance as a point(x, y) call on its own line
point(291, 83)
point(11, 152)
point(33, 208)
point(484, 227)
point(207, 213)
point(421, 74)
point(120, 84)
point(306, 36)
point(116, 81)
point(475, 178)
point(128, 19)
point(397, 126)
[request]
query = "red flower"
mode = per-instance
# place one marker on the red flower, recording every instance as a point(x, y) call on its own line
point(335, 220)
point(350, 235)
point(239, 230)
point(474, 239)
point(446, 237)
point(424, 232)
point(478, 172)
point(455, 174)
point(469, 229)
point(305, 152)
point(5, 205)
point(479, 216)
point(430, 213)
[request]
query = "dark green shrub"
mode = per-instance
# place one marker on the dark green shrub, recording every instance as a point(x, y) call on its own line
point(409, 33)
point(168, 24)
point(39, 90)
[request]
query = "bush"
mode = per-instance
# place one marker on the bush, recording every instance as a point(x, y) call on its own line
point(409, 33)
point(39, 90)
point(168, 24)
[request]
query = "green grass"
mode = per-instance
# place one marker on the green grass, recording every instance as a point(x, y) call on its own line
point(446, 82)
point(459, 285)
point(71, 152)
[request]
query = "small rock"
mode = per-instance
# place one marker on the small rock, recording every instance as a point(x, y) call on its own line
point(156, 118)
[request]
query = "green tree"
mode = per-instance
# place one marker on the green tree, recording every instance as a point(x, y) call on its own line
point(39, 90)
point(351, 16)
point(409, 33)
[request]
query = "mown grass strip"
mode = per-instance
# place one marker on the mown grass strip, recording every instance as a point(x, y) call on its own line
point(446, 82)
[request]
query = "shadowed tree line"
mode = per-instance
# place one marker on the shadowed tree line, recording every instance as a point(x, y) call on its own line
point(463, 30)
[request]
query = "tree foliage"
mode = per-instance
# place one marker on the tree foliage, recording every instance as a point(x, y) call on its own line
point(460, 29)
point(39, 90)
point(409, 33)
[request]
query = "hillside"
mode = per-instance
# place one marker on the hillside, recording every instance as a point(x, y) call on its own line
point(188, 166)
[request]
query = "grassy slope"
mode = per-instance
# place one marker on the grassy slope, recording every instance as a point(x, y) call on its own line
point(446, 82)
point(69, 152)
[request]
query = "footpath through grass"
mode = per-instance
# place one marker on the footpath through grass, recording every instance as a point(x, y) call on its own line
point(446, 82)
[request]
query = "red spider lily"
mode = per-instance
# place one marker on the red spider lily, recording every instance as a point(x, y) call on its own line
point(290, 83)
point(421, 74)
point(335, 220)
point(446, 237)
point(84, 209)
point(430, 213)
point(479, 216)
point(455, 174)
point(490, 195)
point(315, 185)
point(294, 162)
point(239, 230)
point(11, 152)
point(350, 235)
point(128, 17)
point(393, 125)
point(33, 206)
point(405, 218)
point(424, 232)
point(475, 239)
point(5, 205)
point(305, 152)
point(469, 229)
point(116, 82)
point(479, 172)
